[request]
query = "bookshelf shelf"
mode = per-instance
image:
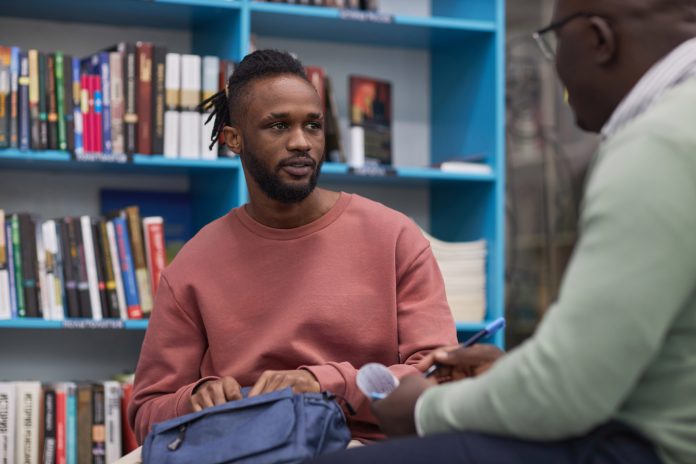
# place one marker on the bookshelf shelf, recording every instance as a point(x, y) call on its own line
point(468, 327)
point(87, 324)
point(402, 175)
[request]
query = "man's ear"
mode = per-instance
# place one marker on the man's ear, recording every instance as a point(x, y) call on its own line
point(605, 46)
point(233, 139)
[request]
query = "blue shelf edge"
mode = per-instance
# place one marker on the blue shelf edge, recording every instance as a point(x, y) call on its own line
point(36, 323)
point(413, 173)
point(234, 4)
point(403, 20)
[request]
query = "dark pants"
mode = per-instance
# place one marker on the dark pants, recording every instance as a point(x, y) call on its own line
point(609, 444)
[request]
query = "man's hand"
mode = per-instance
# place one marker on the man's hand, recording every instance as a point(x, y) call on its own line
point(301, 381)
point(459, 363)
point(396, 412)
point(214, 392)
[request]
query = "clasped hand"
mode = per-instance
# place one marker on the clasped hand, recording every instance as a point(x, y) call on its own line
point(396, 413)
point(220, 391)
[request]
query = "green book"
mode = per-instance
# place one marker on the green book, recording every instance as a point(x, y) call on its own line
point(17, 257)
point(60, 98)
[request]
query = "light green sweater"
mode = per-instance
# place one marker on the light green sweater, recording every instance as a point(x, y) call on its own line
point(620, 342)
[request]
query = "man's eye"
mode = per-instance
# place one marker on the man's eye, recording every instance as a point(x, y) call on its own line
point(314, 125)
point(279, 125)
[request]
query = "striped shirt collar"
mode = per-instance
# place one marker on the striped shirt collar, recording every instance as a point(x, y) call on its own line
point(670, 71)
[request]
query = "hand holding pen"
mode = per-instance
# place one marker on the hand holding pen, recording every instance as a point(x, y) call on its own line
point(466, 360)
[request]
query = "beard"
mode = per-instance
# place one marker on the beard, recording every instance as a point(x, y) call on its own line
point(271, 183)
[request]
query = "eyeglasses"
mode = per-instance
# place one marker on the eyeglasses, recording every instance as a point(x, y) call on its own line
point(547, 41)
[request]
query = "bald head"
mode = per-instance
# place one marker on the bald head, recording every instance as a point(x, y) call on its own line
point(603, 53)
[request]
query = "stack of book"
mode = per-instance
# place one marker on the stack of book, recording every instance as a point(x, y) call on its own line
point(463, 267)
point(130, 98)
point(65, 422)
point(80, 267)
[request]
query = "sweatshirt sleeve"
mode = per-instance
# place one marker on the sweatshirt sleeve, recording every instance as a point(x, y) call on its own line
point(424, 322)
point(630, 276)
point(169, 365)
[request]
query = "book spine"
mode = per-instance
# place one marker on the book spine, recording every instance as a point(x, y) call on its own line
point(78, 120)
point(172, 106)
point(43, 101)
point(112, 420)
point(84, 423)
point(138, 250)
point(34, 100)
point(108, 269)
point(154, 246)
point(60, 101)
point(117, 102)
point(49, 426)
point(85, 112)
point(118, 279)
point(129, 441)
point(5, 58)
point(158, 77)
point(130, 118)
point(52, 105)
point(105, 77)
point(8, 422)
point(83, 294)
point(90, 260)
point(190, 139)
point(10, 268)
point(144, 101)
point(14, 96)
point(27, 232)
point(101, 280)
point(5, 302)
point(23, 107)
point(97, 124)
point(42, 271)
point(71, 423)
point(61, 422)
point(98, 425)
point(209, 80)
point(127, 270)
point(28, 427)
point(18, 261)
point(70, 257)
point(54, 265)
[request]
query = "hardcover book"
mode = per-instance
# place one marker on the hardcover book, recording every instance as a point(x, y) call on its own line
point(370, 108)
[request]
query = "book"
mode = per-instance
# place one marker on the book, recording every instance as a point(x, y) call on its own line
point(98, 424)
point(51, 102)
point(61, 423)
point(153, 230)
point(30, 272)
point(43, 103)
point(370, 108)
point(172, 107)
point(112, 421)
point(332, 127)
point(144, 96)
point(5, 93)
point(91, 265)
point(77, 121)
point(10, 268)
point(42, 271)
point(158, 95)
point(49, 425)
point(61, 93)
point(101, 272)
point(5, 301)
point(138, 250)
point(18, 262)
point(130, 286)
point(190, 118)
point(115, 262)
point(130, 81)
point(70, 422)
point(113, 303)
point(24, 116)
point(8, 422)
point(209, 85)
point(118, 104)
point(54, 265)
point(28, 425)
point(85, 413)
point(80, 263)
point(34, 112)
point(15, 59)
point(70, 258)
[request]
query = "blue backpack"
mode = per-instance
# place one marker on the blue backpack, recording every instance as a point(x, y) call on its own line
point(274, 428)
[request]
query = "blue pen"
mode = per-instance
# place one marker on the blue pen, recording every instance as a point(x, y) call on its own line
point(490, 329)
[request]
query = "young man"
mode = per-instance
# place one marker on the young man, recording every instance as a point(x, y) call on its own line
point(299, 287)
point(610, 375)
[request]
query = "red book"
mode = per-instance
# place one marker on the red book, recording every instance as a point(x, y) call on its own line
point(97, 122)
point(61, 420)
point(129, 442)
point(153, 229)
point(86, 124)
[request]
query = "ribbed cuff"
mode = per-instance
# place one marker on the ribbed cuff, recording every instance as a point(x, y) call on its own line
point(183, 403)
point(329, 378)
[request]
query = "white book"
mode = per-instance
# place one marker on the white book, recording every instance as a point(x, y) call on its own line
point(28, 425)
point(190, 97)
point(5, 305)
point(172, 106)
point(117, 103)
point(210, 77)
point(112, 421)
point(91, 262)
point(8, 422)
point(115, 262)
point(465, 167)
point(43, 273)
point(190, 135)
point(54, 285)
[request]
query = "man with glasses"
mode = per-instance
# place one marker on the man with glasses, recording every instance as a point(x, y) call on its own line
point(610, 374)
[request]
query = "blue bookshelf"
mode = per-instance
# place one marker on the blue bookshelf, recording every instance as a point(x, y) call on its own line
point(464, 41)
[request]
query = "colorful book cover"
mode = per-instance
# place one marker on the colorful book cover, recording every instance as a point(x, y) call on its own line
point(60, 101)
point(370, 108)
point(127, 269)
point(14, 97)
point(23, 106)
point(76, 94)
